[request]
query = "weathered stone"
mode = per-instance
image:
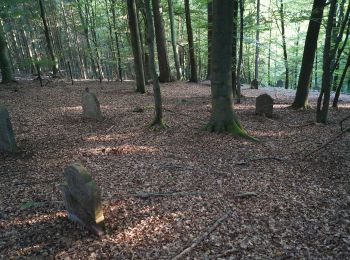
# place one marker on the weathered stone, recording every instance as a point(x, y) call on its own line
point(279, 83)
point(7, 136)
point(254, 84)
point(264, 105)
point(91, 105)
point(82, 198)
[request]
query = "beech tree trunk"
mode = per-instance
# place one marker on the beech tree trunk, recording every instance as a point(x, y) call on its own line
point(163, 60)
point(136, 46)
point(5, 64)
point(234, 48)
point(210, 35)
point(48, 40)
point(240, 53)
point(310, 46)
point(284, 44)
point(158, 120)
point(173, 39)
point(193, 65)
point(340, 85)
point(324, 97)
point(222, 117)
point(257, 39)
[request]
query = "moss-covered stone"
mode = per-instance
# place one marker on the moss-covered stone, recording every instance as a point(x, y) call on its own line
point(82, 199)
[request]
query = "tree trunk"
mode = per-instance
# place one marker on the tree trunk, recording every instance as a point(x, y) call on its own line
point(240, 53)
point(48, 39)
point(158, 120)
point(324, 97)
point(163, 60)
point(305, 75)
point(337, 93)
point(120, 71)
point(5, 65)
point(257, 39)
point(193, 77)
point(222, 117)
point(210, 35)
point(173, 39)
point(284, 44)
point(234, 49)
point(136, 46)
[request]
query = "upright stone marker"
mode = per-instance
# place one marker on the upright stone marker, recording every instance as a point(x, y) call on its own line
point(91, 106)
point(279, 83)
point(254, 84)
point(82, 199)
point(264, 105)
point(7, 137)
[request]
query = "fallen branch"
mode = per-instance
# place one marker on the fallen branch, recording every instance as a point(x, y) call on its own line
point(327, 143)
point(198, 240)
point(245, 194)
point(146, 195)
point(259, 159)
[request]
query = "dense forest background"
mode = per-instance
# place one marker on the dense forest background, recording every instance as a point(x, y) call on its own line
point(92, 38)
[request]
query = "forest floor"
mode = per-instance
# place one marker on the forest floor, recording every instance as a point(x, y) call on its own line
point(299, 207)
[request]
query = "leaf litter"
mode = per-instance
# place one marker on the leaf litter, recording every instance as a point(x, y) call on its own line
point(284, 205)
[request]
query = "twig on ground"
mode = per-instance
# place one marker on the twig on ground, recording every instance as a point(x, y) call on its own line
point(327, 143)
point(201, 238)
point(146, 195)
point(109, 129)
point(245, 194)
point(259, 159)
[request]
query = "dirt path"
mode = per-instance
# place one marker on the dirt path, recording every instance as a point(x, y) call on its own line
point(302, 207)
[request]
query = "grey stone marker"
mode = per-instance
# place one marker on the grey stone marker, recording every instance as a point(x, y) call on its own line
point(264, 105)
point(82, 198)
point(279, 83)
point(91, 106)
point(7, 136)
point(254, 84)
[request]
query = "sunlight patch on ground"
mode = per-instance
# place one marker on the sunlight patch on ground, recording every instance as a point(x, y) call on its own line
point(111, 137)
point(344, 106)
point(269, 134)
point(121, 149)
point(149, 229)
point(67, 109)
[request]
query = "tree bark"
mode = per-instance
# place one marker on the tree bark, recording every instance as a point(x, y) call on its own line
point(257, 39)
point(173, 39)
point(340, 85)
point(234, 49)
point(305, 75)
point(48, 39)
point(158, 120)
point(136, 46)
point(210, 36)
point(193, 76)
point(5, 65)
point(240, 53)
point(163, 60)
point(324, 97)
point(222, 117)
point(284, 44)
